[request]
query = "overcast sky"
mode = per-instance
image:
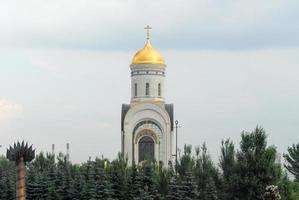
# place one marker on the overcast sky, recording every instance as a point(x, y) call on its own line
point(64, 70)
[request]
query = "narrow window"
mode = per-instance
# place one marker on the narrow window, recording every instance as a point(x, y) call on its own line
point(135, 89)
point(159, 89)
point(147, 89)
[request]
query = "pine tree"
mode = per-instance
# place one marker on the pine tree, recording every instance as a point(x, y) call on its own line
point(52, 194)
point(64, 181)
point(228, 166)
point(59, 183)
point(80, 186)
point(188, 187)
point(117, 188)
point(92, 195)
point(174, 190)
point(68, 186)
point(205, 175)
point(149, 186)
point(136, 184)
point(36, 186)
point(186, 162)
point(256, 165)
point(292, 159)
point(118, 172)
point(132, 181)
point(285, 187)
point(210, 191)
point(51, 177)
point(7, 179)
point(103, 187)
point(162, 180)
point(7, 191)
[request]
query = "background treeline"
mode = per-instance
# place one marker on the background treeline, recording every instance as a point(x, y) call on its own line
point(240, 174)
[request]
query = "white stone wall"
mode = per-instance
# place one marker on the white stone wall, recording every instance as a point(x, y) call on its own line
point(148, 111)
point(152, 74)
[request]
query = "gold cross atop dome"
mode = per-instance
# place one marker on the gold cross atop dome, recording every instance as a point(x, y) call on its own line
point(147, 28)
point(148, 55)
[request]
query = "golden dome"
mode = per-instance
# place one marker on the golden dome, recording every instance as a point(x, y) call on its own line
point(148, 55)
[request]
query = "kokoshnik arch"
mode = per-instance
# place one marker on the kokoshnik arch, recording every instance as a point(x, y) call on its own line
point(147, 122)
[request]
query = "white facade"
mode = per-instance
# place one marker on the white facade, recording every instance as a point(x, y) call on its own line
point(147, 122)
point(151, 74)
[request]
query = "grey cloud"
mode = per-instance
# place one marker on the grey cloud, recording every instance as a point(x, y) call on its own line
point(118, 25)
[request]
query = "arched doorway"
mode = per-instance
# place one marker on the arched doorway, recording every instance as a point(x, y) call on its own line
point(146, 149)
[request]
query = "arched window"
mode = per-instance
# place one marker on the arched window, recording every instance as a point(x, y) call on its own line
point(147, 89)
point(135, 89)
point(159, 89)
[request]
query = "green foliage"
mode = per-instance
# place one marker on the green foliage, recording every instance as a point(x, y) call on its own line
point(284, 187)
point(256, 165)
point(294, 188)
point(119, 178)
point(162, 179)
point(174, 190)
point(186, 161)
point(7, 179)
point(292, 159)
point(188, 188)
point(241, 174)
point(227, 164)
point(206, 175)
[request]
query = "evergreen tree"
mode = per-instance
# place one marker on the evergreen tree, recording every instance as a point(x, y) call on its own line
point(91, 184)
point(285, 187)
point(294, 187)
point(227, 164)
point(64, 182)
point(174, 192)
point(7, 179)
point(292, 159)
point(80, 186)
point(7, 191)
point(188, 187)
point(134, 183)
point(52, 194)
point(245, 174)
point(256, 166)
point(205, 175)
point(36, 186)
point(118, 178)
point(103, 187)
point(68, 186)
point(148, 181)
point(186, 162)
point(209, 192)
point(162, 180)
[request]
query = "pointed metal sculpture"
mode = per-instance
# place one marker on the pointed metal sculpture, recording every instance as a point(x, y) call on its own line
point(20, 153)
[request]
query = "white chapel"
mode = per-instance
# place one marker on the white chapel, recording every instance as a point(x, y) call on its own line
point(147, 122)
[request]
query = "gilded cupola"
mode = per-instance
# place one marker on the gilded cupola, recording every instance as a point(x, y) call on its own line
point(148, 55)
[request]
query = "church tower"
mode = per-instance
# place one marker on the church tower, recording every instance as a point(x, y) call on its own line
point(147, 122)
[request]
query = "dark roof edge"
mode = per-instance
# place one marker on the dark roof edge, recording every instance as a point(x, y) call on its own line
point(124, 110)
point(169, 109)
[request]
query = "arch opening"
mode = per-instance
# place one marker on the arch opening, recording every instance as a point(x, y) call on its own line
point(146, 149)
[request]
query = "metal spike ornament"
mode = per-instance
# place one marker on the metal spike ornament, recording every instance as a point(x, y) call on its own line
point(21, 154)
